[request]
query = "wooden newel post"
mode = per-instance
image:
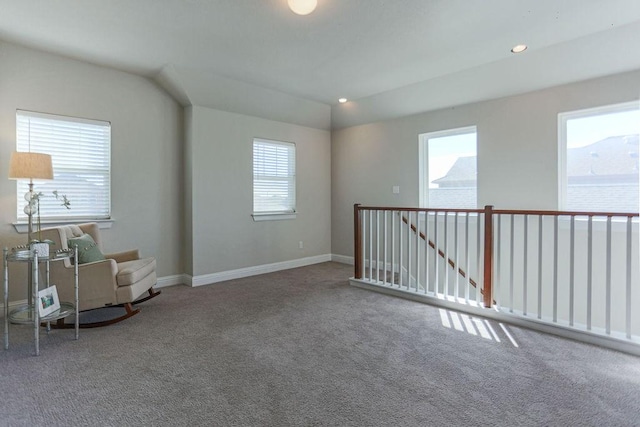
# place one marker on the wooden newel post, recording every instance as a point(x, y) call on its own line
point(357, 240)
point(488, 256)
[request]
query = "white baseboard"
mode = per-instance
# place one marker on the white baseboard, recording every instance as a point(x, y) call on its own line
point(207, 279)
point(343, 259)
point(176, 279)
point(187, 279)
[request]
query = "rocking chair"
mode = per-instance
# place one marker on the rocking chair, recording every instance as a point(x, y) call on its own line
point(113, 280)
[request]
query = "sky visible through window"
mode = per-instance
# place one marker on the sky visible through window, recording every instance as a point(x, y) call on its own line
point(587, 130)
point(602, 159)
point(445, 150)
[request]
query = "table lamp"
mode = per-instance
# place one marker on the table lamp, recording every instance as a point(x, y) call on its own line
point(30, 166)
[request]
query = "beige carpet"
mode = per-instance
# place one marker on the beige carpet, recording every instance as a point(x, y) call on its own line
point(303, 348)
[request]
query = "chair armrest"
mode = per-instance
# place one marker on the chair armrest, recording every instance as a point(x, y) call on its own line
point(96, 281)
point(106, 267)
point(124, 256)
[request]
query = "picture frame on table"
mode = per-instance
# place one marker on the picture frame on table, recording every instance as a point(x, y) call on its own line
point(48, 301)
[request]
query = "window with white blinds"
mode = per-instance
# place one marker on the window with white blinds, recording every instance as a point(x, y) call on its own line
point(274, 177)
point(80, 151)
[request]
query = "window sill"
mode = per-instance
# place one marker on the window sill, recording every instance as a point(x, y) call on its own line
point(23, 227)
point(274, 216)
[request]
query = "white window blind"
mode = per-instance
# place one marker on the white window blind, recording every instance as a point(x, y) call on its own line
point(80, 152)
point(274, 176)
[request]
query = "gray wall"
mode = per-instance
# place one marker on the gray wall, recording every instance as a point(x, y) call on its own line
point(517, 151)
point(225, 237)
point(181, 178)
point(146, 147)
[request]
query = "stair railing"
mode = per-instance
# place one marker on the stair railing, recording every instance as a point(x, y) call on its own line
point(401, 250)
point(571, 269)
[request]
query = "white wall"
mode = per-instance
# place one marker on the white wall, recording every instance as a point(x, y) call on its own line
point(146, 147)
point(225, 237)
point(517, 151)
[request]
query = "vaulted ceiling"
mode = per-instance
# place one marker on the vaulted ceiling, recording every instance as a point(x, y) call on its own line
point(388, 57)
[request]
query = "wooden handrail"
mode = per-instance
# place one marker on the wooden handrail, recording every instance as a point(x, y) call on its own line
point(563, 213)
point(382, 208)
point(504, 211)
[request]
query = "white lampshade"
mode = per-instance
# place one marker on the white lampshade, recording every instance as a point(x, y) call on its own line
point(302, 7)
point(30, 166)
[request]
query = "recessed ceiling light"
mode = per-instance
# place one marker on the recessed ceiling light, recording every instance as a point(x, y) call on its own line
point(342, 100)
point(519, 48)
point(302, 7)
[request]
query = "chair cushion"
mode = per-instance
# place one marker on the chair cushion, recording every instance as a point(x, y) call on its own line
point(88, 250)
point(130, 272)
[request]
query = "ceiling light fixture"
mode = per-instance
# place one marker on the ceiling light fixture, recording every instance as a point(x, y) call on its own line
point(519, 48)
point(302, 7)
point(342, 100)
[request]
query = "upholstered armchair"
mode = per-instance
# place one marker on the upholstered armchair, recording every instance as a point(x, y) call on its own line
point(105, 280)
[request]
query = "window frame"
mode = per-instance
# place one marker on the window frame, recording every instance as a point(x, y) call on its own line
point(292, 187)
point(563, 118)
point(423, 160)
point(103, 218)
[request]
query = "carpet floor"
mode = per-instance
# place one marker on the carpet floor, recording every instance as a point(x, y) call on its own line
point(303, 348)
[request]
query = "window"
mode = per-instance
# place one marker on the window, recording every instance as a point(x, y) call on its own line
point(599, 159)
point(448, 169)
point(274, 179)
point(80, 154)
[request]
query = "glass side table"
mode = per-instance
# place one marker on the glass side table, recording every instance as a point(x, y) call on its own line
point(28, 313)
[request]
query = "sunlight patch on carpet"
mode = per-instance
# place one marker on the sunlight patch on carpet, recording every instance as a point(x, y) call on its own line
point(473, 326)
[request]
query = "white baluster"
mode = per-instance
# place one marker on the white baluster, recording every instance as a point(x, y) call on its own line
point(555, 268)
point(540, 227)
point(393, 247)
point(479, 283)
point(572, 262)
point(377, 246)
point(384, 245)
point(456, 260)
point(608, 284)
point(371, 245)
point(524, 266)
point(628, 289)
point(436, 263)
point(497, 282)
point(446, 255)
point(400, 248)
point(467, 259)
point(589, 269)
point(511, 269)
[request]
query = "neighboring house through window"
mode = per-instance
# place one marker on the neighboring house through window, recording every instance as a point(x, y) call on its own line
point(274, 179)
point(80, 153)
point(448, 169)
point(599, 159)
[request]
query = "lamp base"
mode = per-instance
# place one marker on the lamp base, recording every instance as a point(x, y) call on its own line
point(42, 249)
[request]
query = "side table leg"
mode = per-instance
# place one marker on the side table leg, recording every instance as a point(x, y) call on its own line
point(75, 274)
point(6, 299)
point(36, 316)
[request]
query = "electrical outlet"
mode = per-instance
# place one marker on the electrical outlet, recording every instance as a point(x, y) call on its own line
point(300, 244)
point(396, 189)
